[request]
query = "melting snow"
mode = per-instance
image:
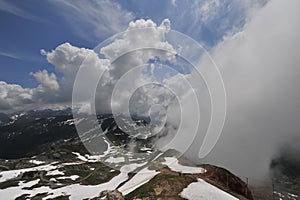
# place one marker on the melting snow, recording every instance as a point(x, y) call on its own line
point(14, 192)
point(73, 177)
point(205, 191)
point(6, 175)
point(138, 180)
point(36, 162)
point(173, 164)
point(76, 191)
point(53, 180)
point(80, 157)
point(115, 160)
point(293, 195)
point(94, 158)
point(146, 149)
point(54, 173)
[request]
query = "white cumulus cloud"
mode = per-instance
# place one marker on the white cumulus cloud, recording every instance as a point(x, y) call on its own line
point(46, 80)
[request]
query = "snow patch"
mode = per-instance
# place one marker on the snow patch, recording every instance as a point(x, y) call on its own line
point(36, 162)
point(77, 191)
point(7, 175)
point(54, 173)
point(14, 192)
point(137, 180)
point(80, 157)
point(205, 191)
point(173, 164)
point(73, 177)
point(115, 160)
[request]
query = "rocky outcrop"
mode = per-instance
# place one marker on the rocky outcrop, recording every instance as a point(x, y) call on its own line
point(227, 181)
point(111, 195)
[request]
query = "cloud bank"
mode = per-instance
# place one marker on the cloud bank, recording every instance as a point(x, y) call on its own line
point(67, 60)
point(260, 67)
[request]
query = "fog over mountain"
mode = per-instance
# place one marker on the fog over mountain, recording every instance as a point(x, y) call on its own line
point(261, 75)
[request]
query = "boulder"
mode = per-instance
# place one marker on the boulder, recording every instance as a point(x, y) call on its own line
point(111, 195)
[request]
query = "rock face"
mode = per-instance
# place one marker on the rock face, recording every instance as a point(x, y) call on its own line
point(111, 195)
point(228, 181)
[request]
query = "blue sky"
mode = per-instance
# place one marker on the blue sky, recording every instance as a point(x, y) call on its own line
point(22, 38)
point(29, 26)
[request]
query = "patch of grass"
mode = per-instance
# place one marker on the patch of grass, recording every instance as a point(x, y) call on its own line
point(100, 174)
point(141, 192)
point(23, 197)
point(39, 196)
point(62, 198)
point(166, 185)
point(9, 183)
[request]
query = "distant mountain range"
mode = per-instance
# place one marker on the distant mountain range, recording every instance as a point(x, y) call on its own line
point(29, 133)
point(33, 114)
point(4, 118)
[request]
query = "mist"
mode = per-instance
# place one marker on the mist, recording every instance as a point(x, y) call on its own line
point(260, 69)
